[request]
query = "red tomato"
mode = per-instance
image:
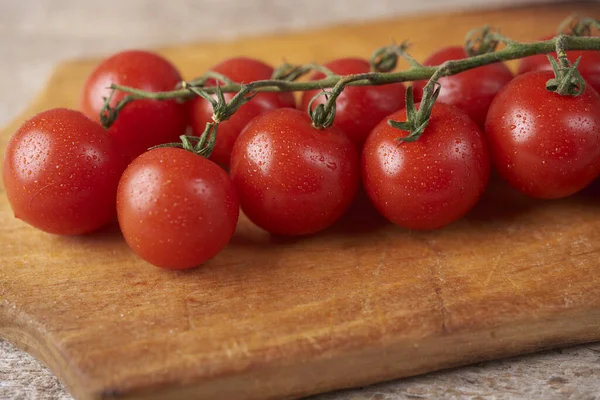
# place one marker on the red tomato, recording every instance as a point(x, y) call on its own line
point(142, 123)
point(61, 172)
point(176, 209)
point(293, 179)
point(544, 144)
point(358, 108)
point(241, 70)
point(472, 91)
point(589, 66)
point(433, 181)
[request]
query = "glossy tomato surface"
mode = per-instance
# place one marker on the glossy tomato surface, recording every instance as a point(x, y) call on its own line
point(241, 70)
point(142, 123)
point(358, 108)
point(472, 91)
point(176, 209)
point(433, 181)
point(61, 172)
point(589, 66)
point(544, 144)
point(293, 179)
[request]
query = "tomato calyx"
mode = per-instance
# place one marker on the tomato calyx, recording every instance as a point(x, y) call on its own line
point(202, 81)
point(202, 145)
point(108, 114)
point(385, 59)
point(290, 72)
point(323, 115)
point(222, 110)
point(567, 80)
point(577, 26)
point(482, 40)
point(417, 120)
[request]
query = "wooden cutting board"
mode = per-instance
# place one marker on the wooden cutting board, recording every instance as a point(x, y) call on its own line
point(281, 318)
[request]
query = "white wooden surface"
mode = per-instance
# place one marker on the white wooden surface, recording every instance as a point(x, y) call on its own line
point(36, 34)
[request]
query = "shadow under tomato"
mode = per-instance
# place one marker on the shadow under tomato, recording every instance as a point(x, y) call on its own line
point(500, 202)
point(110, 233)
point(362, 217)
point(503, 204)
point(592, 191)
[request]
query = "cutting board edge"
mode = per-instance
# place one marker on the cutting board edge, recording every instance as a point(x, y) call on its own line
point(582, 327)
point(586, 331)
point(25, 333)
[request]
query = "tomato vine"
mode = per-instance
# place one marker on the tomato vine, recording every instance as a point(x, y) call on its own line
point(481, 47)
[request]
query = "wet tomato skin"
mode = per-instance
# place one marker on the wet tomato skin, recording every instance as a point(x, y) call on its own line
point(176, 209)
point(429, 183)
point(241, 70)
point(358, 108)
point(293, 179)
point(61, 172)
point(472, 91)
point(544, 144)
point(142, 123)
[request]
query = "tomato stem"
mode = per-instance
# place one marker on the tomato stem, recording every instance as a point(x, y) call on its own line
point(513, 51)
point(284, 78)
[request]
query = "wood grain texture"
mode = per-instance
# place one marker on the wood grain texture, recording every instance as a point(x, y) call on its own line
point(274, 318)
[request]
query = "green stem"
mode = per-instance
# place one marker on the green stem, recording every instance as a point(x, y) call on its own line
point(512, 52)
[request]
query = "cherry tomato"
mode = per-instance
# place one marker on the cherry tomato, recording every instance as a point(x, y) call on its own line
point(293, 179)
point(241, 70)
point(589, 66)
point(358, 108)
point(176, 209)
point(142, 123)
point(544, 144)
point(61, 172)
point(433, 181)
point(472, 91)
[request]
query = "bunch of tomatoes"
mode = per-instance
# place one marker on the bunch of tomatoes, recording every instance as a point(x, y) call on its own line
point(66, 174)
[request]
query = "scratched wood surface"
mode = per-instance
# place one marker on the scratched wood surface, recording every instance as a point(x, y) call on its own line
point(280, 318)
